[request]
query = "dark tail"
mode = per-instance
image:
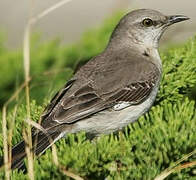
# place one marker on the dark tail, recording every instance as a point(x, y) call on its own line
point(40, 142)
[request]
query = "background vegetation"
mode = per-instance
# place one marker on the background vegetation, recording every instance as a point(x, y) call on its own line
point(160, 138)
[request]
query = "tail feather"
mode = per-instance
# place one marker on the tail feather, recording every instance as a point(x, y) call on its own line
point(40, 142)
point(18, 154)
point(43, 142)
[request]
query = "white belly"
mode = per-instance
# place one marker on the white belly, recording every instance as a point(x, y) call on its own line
point(109, 121)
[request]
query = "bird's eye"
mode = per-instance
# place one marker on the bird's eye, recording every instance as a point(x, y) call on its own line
point(147, 22)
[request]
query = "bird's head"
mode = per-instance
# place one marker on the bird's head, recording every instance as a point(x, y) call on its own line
point(144, 26)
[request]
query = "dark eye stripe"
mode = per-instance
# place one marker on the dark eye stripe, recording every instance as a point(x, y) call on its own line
point(158, 23)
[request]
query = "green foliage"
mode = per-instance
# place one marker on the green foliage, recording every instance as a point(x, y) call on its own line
point(179, 72)
point(144, 149)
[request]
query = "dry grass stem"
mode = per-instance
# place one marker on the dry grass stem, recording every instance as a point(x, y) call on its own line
point(6, 138)
point(5, 144)
point(177, 167)
point(37, 126)
point(29, 154)
point(10, 133)
point(27, 135)
point(54, 155)
point(54, 152)
point(26, 54)
point(26, 61)
point(16, 93)
point(48, 10)
point(70, 174)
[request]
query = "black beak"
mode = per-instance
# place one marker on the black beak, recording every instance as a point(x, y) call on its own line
point(176, 19)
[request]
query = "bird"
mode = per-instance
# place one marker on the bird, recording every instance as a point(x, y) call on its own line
point(112, 90)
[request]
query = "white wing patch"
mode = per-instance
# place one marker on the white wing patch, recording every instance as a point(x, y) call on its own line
point(121, 105)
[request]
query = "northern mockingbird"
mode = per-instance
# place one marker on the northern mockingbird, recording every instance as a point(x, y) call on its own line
point(112, 90)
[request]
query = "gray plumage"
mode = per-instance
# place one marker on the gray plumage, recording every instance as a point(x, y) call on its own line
point(113, 89)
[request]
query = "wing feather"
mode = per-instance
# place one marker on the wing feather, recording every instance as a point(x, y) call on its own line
point(87, 95)
point(84, 105)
